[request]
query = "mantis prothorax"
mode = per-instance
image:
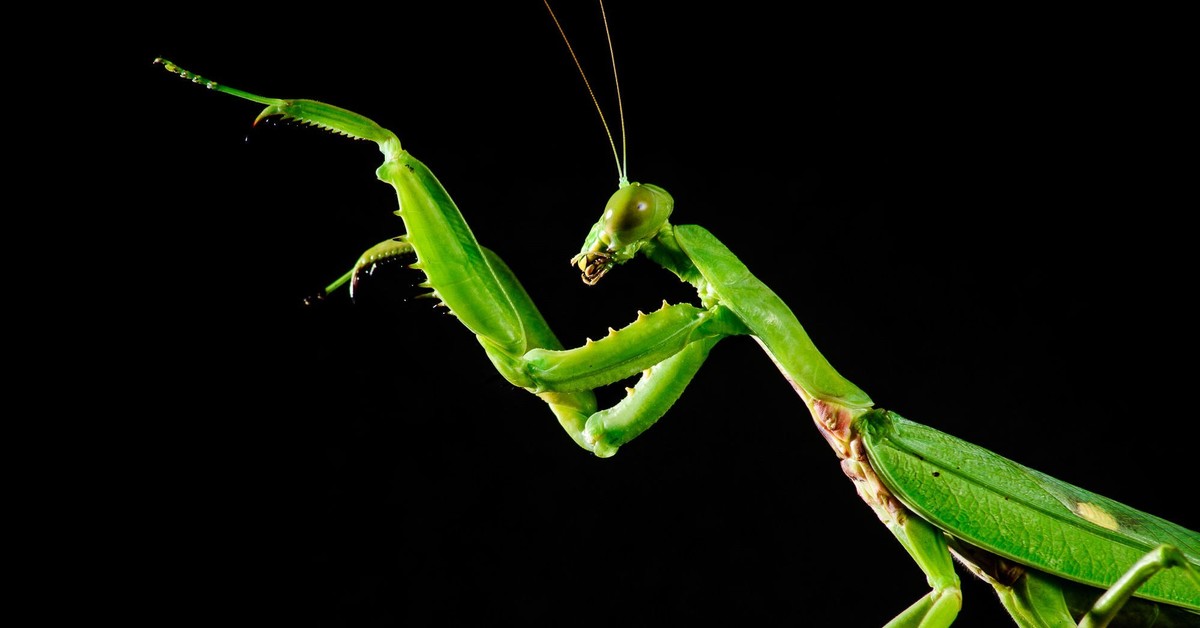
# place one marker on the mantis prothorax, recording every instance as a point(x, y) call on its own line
point(912, 476)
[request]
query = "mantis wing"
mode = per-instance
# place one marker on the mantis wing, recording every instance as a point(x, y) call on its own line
point(1022, 514)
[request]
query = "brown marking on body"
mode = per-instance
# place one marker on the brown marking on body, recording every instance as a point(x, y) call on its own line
point(836, 424)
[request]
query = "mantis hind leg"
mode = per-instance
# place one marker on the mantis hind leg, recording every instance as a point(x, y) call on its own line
point(1113, 601)
point(1038, 600)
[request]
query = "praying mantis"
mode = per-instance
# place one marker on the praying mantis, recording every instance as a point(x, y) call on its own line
point(511, 428)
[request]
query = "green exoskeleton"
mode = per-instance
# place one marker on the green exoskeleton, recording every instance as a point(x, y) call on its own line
point(1055, 553)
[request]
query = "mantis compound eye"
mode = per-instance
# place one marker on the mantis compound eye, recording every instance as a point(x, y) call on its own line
point(632, 217)
point(635, 213)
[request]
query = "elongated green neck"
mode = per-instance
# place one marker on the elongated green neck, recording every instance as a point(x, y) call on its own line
point(722, 280)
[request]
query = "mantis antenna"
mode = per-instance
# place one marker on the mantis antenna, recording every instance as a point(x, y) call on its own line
point(622, 170)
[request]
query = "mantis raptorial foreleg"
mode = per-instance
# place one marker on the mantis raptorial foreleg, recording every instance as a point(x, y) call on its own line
point(667, 346)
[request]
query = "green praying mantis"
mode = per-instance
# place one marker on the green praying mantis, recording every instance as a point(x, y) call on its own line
point(881, 451)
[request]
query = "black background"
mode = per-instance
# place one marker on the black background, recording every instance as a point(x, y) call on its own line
point(978, 217)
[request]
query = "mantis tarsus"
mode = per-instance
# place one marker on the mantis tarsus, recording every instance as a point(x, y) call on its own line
point(552, 321)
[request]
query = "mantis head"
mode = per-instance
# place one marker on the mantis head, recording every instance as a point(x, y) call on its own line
point(633, 216)
point(635, 213)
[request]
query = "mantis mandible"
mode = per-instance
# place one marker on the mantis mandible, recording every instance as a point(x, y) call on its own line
point(813, 400)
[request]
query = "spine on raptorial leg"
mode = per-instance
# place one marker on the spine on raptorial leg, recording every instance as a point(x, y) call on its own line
point(647, 401)
point(648, 340)
point(460, 274)
point(322, 115)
